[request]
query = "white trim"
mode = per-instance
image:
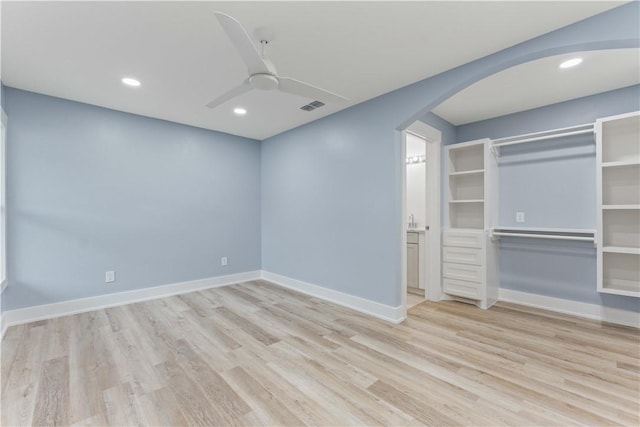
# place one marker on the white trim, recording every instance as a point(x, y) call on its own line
point(372, 308)
point(433, 286)
point(401, 140)
point(82, 305)
point(432, 254)
point(575, 308)
point(3, 201)
point(425, 131)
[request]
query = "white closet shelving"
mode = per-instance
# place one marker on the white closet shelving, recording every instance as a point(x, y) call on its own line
point(466, 185)
point(469, 268)
point(469, 243)
point(618, 187)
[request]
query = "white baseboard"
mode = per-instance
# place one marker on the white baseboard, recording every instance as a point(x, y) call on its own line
point(82, 305)
point(580, 309)
point(372, 308)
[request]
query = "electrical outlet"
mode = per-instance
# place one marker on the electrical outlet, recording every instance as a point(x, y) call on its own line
point(110, 276)
point(519, 216)
point(223, 261)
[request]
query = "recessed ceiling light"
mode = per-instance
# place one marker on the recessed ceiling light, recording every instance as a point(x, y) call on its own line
point(571, 63)
point(131, 82)
point(240, 111)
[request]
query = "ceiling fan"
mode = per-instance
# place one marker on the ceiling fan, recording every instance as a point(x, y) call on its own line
point(262, 73)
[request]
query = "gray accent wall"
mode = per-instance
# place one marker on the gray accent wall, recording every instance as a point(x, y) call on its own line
point(91, 189)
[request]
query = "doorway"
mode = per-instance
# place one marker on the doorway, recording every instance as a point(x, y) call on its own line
point(421, 214)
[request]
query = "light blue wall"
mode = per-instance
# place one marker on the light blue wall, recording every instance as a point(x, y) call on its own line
point(329, 204)
point(332, 188)
point(554, 183)
point(92, 189)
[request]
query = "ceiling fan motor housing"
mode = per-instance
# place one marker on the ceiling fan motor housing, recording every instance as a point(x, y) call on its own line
point(263, 81)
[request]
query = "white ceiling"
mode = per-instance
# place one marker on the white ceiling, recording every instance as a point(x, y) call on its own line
point(538, 83)
point(80, 50)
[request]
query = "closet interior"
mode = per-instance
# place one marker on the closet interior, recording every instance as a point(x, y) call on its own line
point(473, 228)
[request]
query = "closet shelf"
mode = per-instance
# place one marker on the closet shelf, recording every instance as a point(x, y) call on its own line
point(467, 201)
point(622, 163)
point(619, 207)
point(620, 287)
point(471, 172)
point(621, 250)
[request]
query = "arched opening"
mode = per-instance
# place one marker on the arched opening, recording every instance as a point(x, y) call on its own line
point(531, 87)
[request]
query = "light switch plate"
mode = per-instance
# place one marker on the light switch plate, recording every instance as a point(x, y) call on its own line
point(519, 216)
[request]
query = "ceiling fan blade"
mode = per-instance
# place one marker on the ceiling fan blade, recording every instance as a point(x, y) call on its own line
point(237, 91)
point(306, 90)
point(243, 44)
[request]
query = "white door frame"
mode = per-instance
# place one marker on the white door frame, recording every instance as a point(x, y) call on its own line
point(433, 138)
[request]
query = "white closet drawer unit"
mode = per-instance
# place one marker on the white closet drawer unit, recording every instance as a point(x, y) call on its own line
point(468, 266)
point(458, 255)
point(462, 289)
point(462, 239)
point(472, 273)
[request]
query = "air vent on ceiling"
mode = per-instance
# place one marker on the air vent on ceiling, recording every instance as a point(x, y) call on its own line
point(312, 106)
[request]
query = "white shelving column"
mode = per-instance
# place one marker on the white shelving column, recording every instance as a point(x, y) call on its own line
point(618, 192)
point(469, 261)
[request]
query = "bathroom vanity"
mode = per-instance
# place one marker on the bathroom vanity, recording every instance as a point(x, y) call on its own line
point(416, 261)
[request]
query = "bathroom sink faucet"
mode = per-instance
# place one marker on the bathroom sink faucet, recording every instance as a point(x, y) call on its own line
point(412, 222)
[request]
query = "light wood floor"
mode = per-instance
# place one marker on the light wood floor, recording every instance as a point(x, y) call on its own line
point(256, 354)
point(413, 299)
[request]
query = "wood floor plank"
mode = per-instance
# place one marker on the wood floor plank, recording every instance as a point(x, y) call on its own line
point(422, 411)
point(121, 406)
point(331, 387)
point(250, 328)
point(20, 389)
point(199, 303)
point(161, 408)
point(189, 395)
point(225, 402)
point(256, 354)
point(303, 406)
point(134, 364)
point(11, 344)
point(268, 409)
point(52, 402)
point(90, 370)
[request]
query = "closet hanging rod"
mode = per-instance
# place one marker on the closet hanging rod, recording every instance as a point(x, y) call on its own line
point(544, 135)
point(545, 233)
point(545, 236)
